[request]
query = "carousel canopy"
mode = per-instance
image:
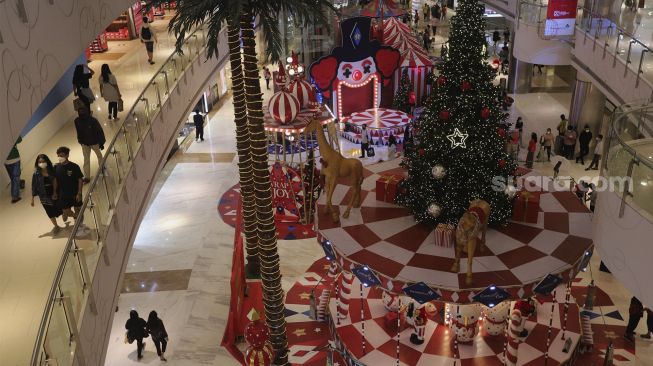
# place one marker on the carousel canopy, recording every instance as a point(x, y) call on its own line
point(375, 9)
point(399, 36)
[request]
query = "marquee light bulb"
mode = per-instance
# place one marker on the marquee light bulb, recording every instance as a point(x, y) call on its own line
point(289, 59)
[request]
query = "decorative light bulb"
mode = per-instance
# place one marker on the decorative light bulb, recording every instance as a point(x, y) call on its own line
point(300, 69)
point(289, 59)
point(291, 72)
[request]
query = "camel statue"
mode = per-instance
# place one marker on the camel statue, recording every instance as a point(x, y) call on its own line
point(471, 228)
point(335, 166)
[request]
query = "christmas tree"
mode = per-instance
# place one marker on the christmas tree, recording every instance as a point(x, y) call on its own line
point(459, 152)
point(401, 101)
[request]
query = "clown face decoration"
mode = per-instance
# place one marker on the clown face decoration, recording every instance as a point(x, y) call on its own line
point(351, 67)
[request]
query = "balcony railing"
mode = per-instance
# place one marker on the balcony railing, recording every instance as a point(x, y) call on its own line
point(629, 153)
point(58, 334)
point(628, 53)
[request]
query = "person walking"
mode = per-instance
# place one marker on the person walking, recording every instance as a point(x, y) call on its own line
point(91, 136)
point(532, 147)
point(12, 165)
point(519, 125)
point(198, 120)
point(364, 142)
point(69, 183)
point(148, 38)
point(44, 185)
point(136, 331)
point(584, 141)
point(496, 37)
point(635, 313)
point(416, 18)
point(443, 11)
point(267, 75)
point(427, 12)
point(82, 86)
point(547, 142)
point(569, 143)
point(158, 332)
point(562, 128)
point(598, 150)
point(110, 91)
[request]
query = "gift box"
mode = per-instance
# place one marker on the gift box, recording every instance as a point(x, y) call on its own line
point(387, 187)
point(444, 235)
point(526, 207)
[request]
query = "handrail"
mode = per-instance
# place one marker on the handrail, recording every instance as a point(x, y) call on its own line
point(55, 293)
point(600, 17)
point(616, 119)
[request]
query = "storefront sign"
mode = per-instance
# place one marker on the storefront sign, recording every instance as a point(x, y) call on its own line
point(560, 18)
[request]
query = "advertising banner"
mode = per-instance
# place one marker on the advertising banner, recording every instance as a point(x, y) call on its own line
point(560, 18)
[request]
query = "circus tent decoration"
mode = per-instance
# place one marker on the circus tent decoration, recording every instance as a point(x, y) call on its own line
point(280, 78)
point(355, 71)
point(376, 9)
point(414, 58)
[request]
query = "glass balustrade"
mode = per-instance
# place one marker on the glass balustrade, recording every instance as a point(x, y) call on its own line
point(57, 337)
point(630, 156)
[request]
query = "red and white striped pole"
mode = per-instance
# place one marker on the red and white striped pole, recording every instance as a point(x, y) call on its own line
point(548, 336)
point(514, 330)
point(455, 341)
point(346, 281)
point(362, 316)
point(398, 328)
point(566, 311)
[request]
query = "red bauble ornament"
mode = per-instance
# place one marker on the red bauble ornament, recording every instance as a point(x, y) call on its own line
point(441, 80)
point(465, 86)
point(256, 332)
point(501, 132)
point(485, 112)
point(502, 163)
point(420, 152)
point(445, 115)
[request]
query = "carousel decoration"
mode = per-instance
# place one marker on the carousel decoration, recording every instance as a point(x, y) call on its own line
point(294, 68)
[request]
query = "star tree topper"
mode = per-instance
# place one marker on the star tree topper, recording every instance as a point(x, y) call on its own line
point(457, 139)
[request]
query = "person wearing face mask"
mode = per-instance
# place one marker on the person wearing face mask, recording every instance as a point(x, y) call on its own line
point(69, 181)
point(598, 149)
point(91, 136)
point(148, 38)
point(584, 141)
point(44, 185)
point(547, 142)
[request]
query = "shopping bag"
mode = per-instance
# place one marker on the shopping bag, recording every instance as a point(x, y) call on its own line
point(370, 151)
point(121, 105)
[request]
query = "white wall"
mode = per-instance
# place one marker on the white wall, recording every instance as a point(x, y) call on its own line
point(508, 8)
point(40, 39)
point(530, 47)
point(624, 244)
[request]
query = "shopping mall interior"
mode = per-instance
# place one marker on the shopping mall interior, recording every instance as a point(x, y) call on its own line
point(326, 182)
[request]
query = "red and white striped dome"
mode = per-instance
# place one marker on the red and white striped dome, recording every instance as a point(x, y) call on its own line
point(283, 107)
point(302, 90)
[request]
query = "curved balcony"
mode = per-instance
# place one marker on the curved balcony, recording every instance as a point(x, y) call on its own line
point(623, 225)
point(73, 328)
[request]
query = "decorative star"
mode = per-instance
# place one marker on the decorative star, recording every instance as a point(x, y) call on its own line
point(304, 296)
point(317, 330)
point(454, 139)
point(299, 332)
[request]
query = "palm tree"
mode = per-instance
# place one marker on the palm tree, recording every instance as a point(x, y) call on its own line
point(260, 230)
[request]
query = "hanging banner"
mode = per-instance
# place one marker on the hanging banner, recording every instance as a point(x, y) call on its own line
point(560, 18)
point(286, 186)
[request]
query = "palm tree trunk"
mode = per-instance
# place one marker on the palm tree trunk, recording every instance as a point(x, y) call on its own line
point(273, 296)
point(243, 149)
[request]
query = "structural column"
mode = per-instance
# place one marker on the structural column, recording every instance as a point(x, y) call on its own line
point(519, 77)
point(587, 105)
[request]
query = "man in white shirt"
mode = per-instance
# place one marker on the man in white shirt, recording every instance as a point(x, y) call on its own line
point(598, 149)
point(364, 142)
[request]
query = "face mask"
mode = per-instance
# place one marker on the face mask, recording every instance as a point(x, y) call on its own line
point(62, 159)
point(587, 130)
point(43, 165)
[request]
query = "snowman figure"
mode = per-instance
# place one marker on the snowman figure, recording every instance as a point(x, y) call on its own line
point(495, 318)
point(465, 322)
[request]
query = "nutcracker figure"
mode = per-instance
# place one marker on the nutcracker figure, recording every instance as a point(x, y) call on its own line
point(416, 317)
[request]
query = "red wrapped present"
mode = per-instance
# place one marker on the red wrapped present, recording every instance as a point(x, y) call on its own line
point(444, 235)
point(386, 187)
point(526, 207)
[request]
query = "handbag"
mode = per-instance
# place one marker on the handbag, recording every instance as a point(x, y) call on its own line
point(370, 151)
point(121, 105)
point(128, 340)
point(88, 93)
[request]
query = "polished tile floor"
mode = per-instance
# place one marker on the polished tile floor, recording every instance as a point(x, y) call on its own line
point(30, 253)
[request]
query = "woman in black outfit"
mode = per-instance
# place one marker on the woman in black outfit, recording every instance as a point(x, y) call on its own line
point(136, 330)
point(81, 85)
point(159, 335)
point(44, 185)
